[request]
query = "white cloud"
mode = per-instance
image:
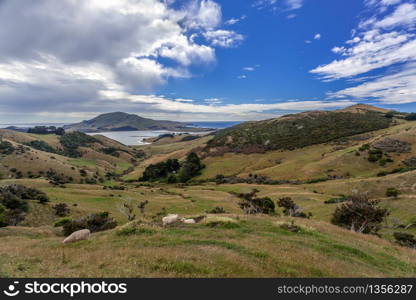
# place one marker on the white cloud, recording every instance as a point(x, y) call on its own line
point(204, 14)
point(223, 38)
point(405, 14)
point(273, 4)
point(216, 111)
point(234, 21)
point(242, 77)
point(251, 68)
point(382, 42)
point(396, 88)
point(375, 51)
point(381, 3)
point(213, 101)
point(317, 36)
point(61, 55)
point(294, 4)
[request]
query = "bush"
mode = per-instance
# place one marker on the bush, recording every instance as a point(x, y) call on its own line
point(291, 209)
point(411, 117)
point(46, 130)
point(392, 192)
point(160, 170)
point(405, 239)
point(94, 222)
point(61, 209)
point(217, 210)
point(337, 200)
point(190, 168)
point(14, 196)
point(375, 155)
point(73, 140)
point(14, 217)
point(360, 214)
point(250, 204)
point(42, 146)
point(111, 151)
point(6, 147)
point(2, 216)
point(62, 222)
point(364, 147)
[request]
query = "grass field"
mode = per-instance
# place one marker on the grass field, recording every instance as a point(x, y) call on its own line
point(253, 246)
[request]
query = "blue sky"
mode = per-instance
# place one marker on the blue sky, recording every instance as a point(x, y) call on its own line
point(203, 59)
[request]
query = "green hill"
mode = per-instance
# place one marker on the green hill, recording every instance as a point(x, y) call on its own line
point(120, 121)
point(298, 130)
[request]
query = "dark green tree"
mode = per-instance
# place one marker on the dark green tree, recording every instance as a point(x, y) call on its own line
point(190, 168)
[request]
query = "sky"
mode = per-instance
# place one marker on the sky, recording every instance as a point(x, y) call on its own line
point(203, 60)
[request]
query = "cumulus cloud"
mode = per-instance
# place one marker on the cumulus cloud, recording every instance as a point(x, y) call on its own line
point(63, 55)
point(384, 43)
point(317, 36)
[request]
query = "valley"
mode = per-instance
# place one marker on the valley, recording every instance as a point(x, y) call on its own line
point(370, 153)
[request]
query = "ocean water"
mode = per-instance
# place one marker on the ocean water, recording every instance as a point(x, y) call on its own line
point(136, 137)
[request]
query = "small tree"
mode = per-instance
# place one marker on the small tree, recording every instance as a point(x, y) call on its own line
point(61, 209)
point(392, 192)
point(142, 206)
point(127, 209)
point(360, 214)
point(250, 204)
point(190, 168)
point(291, 209)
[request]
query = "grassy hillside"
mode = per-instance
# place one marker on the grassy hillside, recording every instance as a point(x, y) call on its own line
point(229, 244)
point(296, 131)
point(337, 158)
point(251, 246)
point(119, 121)
point(36, 155)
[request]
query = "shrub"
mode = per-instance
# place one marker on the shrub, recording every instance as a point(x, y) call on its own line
point(250, 204)
point(73, 140)
point(46, 130)
point(110, 151)
point(94, 222)
point(42, 146)
point(405, 239)
point(411, 117)
point(291, 209)
point(375, 155)
point(160, 170)
point(6, 147)
point(217, 210)
point(14, 216)
point(135, 227)
point(190, 168)
point(61, 209)
point(2, 216)
point(62, 222)
point(337, 200)
point(360, 214)
point(392, 192)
